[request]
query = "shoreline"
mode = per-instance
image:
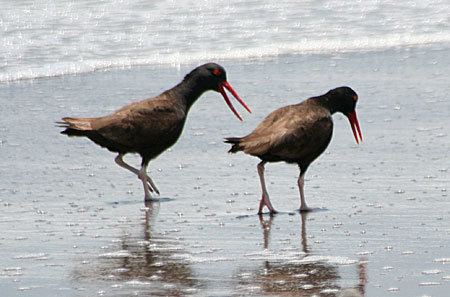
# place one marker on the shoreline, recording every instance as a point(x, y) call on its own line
point(129, 64)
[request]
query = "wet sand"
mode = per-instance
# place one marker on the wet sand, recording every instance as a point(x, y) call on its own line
point(74, 223)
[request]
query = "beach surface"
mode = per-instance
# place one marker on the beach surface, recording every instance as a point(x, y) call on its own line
point(74, 223)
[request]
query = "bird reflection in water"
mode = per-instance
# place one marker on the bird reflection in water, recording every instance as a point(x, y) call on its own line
point(300, 279)
point(149, 265)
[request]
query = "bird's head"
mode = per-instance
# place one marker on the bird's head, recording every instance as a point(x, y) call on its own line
point(344, 99)
point(212, 76)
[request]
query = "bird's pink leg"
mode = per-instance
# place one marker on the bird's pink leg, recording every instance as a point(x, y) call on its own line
point(143, 177)
point(119, 161)
point(301, 185)
point(265, 201)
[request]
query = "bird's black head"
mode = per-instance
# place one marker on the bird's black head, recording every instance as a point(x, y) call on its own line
point(209, 76)
point(344, 99)
point(212, 76)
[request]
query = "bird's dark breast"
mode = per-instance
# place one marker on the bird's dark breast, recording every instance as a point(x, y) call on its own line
point(154, 146)
point(318, 147)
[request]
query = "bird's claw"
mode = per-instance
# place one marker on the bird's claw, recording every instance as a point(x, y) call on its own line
point(151, 185)
point(152, 188)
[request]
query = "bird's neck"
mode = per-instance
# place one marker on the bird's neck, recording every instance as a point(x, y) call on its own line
point(187, 92)
point(327, 102)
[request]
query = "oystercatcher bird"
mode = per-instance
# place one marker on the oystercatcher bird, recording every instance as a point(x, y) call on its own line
point(151, 126)
point(298, 134)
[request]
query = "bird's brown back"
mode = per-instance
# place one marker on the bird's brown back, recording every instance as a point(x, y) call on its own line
point(146, 127)
point(291, 133)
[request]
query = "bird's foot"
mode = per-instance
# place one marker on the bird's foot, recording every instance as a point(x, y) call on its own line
point(152, 185)
point(305, 209)
point(271, 212)
point(152, 189)
point(265, 201)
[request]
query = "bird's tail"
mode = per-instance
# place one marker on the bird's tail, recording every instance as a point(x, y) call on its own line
point(75, 126)
point(235, 142)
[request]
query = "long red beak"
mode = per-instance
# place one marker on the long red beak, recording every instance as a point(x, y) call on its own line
point(355, 126)
point(225, 85)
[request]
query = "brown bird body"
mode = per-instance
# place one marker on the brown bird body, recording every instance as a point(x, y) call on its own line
point(298, 134)
point(146, 127)
point(150, 126)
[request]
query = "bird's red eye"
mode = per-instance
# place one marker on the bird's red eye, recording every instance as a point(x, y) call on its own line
point(217, 72)
point(355, 98)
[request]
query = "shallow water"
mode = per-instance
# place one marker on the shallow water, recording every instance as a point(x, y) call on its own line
point(50, 38)
point(74, 224)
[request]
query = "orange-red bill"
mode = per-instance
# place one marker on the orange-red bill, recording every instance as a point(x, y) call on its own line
point(233, 92)
point(226, 85)
point(355, 126)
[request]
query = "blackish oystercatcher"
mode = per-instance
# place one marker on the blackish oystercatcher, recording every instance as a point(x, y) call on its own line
point(151, 126)
point(298, 134)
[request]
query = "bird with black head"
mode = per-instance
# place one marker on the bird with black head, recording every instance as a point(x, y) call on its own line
point(151, 126)
point(297, 134)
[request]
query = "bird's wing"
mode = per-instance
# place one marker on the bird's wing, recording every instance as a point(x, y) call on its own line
point(141, 124)
point(289, 131)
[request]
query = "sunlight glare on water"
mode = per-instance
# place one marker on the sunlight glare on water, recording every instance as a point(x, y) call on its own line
point(48, 38)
